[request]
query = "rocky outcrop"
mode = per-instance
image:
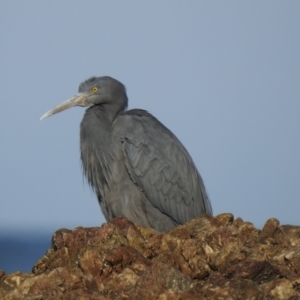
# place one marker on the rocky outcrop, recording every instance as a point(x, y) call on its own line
point(207, 258)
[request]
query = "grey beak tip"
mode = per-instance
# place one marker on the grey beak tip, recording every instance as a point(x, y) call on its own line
point(44, 116)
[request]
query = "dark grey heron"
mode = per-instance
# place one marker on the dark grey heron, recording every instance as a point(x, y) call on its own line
point(136, 166)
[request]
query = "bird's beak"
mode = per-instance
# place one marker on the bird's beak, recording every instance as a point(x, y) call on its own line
point(77, 100)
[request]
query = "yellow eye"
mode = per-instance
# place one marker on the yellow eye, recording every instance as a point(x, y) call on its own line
point(94, 89)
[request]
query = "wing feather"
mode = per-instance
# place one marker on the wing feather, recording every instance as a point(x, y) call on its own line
point(161, 166)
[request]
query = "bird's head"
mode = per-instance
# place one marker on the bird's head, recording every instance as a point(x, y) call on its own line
point(95, 91)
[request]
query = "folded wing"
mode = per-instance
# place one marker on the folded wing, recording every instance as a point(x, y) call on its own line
point(160, 165)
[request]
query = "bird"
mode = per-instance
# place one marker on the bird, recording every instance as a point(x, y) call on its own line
point(136, 166)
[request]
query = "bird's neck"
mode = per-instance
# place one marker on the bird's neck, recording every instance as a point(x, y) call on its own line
point(96, 124)
point(100, 151)
point(106, 113)
point(97, 148)
point(112, 108)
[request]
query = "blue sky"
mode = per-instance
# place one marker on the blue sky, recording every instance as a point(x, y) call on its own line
point(224, 76)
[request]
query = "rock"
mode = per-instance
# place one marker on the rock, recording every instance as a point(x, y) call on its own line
point(208, 258)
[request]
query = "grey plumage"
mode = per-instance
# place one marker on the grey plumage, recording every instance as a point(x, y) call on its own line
point(136, 166)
